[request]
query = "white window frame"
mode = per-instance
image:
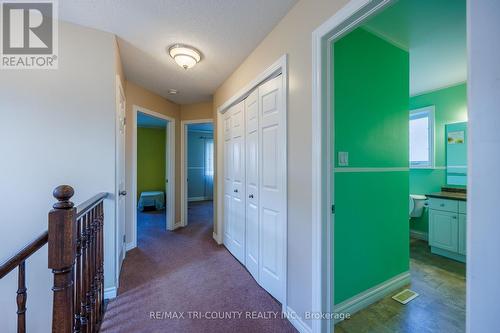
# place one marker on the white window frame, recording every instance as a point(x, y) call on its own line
point(429, 111)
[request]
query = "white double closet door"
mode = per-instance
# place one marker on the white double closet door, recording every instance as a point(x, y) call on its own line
point(255, 185)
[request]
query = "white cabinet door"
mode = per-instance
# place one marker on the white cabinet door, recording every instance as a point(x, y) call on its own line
point(234, 185)
point(272, 181)
point(443, 230)
point(252, 183)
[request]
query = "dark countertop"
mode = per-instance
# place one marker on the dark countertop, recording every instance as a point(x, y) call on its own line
point(449, 195)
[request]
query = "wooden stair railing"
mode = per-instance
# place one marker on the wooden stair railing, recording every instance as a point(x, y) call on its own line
point(75, 240)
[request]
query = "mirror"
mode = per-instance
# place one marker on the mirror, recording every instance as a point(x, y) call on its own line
point(456, 154)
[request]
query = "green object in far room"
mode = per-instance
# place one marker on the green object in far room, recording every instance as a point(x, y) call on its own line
point(151, 159)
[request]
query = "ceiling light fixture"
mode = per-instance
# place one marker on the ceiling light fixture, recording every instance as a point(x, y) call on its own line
point(172, 91)
point(184, 55)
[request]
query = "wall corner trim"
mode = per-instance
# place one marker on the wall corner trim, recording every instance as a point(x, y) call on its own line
point(372, 295)
point(217, 238)
point(110, 293)
point(130, 246)
point(297, 321)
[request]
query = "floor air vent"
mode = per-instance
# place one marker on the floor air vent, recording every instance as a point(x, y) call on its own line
point(405, 296)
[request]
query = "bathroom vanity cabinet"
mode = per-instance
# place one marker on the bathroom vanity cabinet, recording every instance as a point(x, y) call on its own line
point(447, 225)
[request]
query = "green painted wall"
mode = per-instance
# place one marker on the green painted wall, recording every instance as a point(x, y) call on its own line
point(450, 106)
point(371, 123)
point(151, 165)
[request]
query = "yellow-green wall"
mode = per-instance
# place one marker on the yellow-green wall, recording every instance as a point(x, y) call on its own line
point(151, 164)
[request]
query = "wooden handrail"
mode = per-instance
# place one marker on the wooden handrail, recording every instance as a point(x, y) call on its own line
point(75, 239)
point(10, 264)
point(89, 204)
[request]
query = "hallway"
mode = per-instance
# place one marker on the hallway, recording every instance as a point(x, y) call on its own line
point(184, 273)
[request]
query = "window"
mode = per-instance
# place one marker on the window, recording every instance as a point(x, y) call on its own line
point(209, 157)
point(422, 138)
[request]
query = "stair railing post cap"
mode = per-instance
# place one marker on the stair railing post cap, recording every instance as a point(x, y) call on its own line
point(63, 194)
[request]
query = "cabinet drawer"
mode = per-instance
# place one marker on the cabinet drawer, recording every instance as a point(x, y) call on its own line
point(462, 207)
point(443, 204)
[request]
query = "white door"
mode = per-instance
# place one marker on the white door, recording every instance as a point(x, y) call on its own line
point(234, 181)
point(252, 183)
point(237, 189)
point(272, 172)
point(120, 175)
point(228, 158)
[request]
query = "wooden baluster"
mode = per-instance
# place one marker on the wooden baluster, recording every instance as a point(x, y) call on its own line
point(94, 289)
point(90, 274)
point(78, 276)
point(101, 261)
point(62, 252)
point(21, 299)
point(98, 270)
point(84, 282)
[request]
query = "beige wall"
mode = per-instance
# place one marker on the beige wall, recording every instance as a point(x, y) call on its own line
point(56, 127)
point(139, 96)
point(196, 111)
point(292, 36)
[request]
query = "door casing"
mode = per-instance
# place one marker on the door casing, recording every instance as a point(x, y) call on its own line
point(170, 223)
point(184, 165)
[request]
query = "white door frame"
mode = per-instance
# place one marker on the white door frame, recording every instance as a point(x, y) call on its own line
point(120, 246)
point(344, 21)
point(280, 66)
point(184, 151)
point(170, 156)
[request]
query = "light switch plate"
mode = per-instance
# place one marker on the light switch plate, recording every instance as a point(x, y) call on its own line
point(343, 158)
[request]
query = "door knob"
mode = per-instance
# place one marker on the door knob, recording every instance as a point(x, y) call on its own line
point(123, 193)
point(251, 196)
point(235, 190)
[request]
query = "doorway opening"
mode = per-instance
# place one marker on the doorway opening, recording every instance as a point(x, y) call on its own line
point(153, 171)
point(197, 148)
point(390, 217)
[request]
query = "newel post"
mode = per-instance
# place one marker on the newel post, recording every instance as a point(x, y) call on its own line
point(62, 252)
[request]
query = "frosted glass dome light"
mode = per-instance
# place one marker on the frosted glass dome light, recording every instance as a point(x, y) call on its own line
point(185, 56)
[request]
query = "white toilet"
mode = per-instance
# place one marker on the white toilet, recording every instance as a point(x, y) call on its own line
point(417, 205)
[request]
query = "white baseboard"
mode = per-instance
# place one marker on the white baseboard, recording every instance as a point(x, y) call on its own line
point(372, 295)
point(199, 199)
point(130, 246)
point(419, 235)
point(217, 238)
point(297, 321)
point(109, 293)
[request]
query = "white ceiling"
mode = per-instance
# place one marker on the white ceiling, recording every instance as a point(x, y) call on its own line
point(434, 32)
point(225, 31)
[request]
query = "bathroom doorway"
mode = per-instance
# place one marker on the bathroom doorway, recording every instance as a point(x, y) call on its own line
point(376, 77)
